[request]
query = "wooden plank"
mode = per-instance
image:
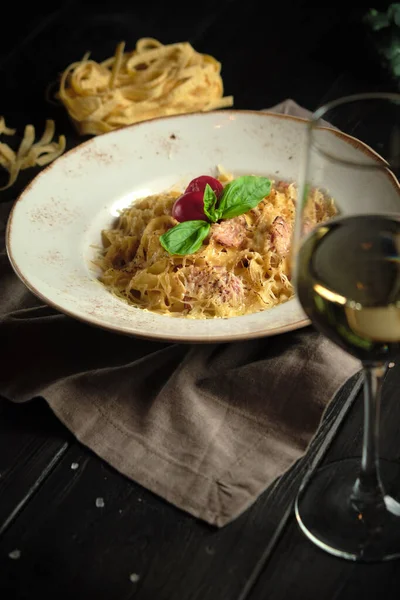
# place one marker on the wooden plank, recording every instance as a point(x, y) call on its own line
point(31, 442)
point(301, 571)
point(68, 543)
point(310, 572)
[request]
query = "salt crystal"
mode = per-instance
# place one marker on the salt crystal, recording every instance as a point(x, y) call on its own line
point(15, 554)
point(74, 466)
point(99, 502)
point(134, 577)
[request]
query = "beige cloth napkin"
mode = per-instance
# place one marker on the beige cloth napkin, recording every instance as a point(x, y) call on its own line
point(207, 427)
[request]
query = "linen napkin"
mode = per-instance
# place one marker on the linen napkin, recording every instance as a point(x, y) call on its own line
point(207, 427)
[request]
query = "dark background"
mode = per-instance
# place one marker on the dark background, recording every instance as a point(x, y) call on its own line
point(269, 50)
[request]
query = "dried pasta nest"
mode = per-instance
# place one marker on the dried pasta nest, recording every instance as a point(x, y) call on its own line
point(153, 80)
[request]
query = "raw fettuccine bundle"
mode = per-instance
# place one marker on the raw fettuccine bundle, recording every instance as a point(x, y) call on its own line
point(151, 81)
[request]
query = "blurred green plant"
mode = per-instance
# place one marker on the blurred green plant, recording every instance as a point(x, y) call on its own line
point(384, 27)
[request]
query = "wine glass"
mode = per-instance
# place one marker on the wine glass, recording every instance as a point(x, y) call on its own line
point(346, 272)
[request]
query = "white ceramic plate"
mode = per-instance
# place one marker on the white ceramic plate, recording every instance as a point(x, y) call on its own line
point(59, 216)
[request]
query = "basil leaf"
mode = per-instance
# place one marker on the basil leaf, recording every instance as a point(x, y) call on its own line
point(242, 194)
point(185, 238)
point(210, 200)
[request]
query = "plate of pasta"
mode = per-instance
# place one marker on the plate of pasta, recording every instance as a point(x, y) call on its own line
point(177, 228)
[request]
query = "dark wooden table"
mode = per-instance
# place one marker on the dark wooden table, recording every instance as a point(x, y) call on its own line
point(137, 545)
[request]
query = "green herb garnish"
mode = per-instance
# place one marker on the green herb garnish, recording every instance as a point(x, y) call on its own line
point(210, 202)
point(238, 197)
point(242, 194)
point(185, 238)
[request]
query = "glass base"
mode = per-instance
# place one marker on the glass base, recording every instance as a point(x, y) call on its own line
point(326, 514)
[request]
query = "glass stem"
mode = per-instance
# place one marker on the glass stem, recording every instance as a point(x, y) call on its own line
point(368, 490)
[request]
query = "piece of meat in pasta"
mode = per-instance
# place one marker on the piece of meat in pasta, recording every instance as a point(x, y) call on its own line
point(230, 233)
point(215, 284)
point(281, 233)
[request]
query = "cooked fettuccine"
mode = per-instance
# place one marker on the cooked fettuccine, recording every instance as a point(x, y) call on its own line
point(242, 266)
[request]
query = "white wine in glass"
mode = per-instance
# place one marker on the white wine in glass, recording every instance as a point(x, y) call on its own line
point(347, 279)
